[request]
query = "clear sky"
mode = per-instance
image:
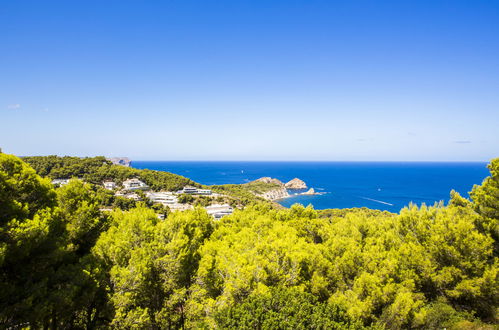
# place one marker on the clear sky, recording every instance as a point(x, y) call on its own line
point(251, 80)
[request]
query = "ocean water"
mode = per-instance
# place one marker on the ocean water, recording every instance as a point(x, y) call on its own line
point(378, 185)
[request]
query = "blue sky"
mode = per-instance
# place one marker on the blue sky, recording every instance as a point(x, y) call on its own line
point(251, 80)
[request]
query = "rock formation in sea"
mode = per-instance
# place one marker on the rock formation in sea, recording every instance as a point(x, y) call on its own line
point(296, 184)
point(311, 191)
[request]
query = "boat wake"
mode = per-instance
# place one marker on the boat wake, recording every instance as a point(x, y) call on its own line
point(377, 201)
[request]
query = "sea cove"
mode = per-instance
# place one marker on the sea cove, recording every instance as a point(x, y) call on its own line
point(378, 185)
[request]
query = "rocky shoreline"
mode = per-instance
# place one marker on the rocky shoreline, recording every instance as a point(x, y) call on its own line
point(282, 191)
point(276, 194)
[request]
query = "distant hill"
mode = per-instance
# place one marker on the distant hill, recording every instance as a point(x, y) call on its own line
point(124, 161)
point(98, 169)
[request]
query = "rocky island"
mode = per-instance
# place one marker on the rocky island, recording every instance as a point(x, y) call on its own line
point(274, 189)
point(311, 191)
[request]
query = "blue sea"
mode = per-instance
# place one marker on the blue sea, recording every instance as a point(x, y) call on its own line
point(378, 185)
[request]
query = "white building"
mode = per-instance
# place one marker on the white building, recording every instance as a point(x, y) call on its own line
point(165, 198)
point(109, 185)
point(189, 190)
point(127, 194)
point(204, 192)
point(60, 182)
point(218, 211)
point(194, 191)
point(134, 184)
point(133, 196)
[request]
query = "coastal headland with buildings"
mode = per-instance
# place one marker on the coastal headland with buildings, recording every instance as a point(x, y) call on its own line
point(136, 189)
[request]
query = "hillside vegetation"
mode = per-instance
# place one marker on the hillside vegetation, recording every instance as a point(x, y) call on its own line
point(97, 169)
point(64, 264)
point(245, 193)
point(258, 187)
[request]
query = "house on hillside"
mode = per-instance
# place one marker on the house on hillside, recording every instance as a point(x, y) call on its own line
point(134, 184)
point(109, 185)
point(194, 191)
point(218, 211)
point(204, 192)
point(133, 196)
point(166, 198)
point(189, 190)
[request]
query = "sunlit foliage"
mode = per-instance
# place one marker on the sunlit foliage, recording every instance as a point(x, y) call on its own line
point(65, 264)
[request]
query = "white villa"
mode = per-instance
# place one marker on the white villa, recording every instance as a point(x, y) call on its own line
point(134, 184)
point(165, 198)
point(194, 191)
point(218, 211)
point(204, 192)
point(169, 199)
point(109, 185)
point(129, 195)
point(189, 190)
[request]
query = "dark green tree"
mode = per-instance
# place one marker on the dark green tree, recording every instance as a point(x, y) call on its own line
point(284, 308)
point(30, 244)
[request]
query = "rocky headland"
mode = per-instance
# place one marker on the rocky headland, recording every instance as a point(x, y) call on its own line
point(275, 194)
point(123, 161)
point(268, 179)
point(274, 189)
point(311, 191)
point(268, 188)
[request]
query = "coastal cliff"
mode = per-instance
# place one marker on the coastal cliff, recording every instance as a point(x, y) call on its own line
point(274, 189)
point(268, 179)
point(268, 188)
point(124, 161)
point(311, 191)
point(275, 194)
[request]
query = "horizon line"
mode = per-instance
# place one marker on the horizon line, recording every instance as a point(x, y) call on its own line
point(314, 161)
point(132, 159)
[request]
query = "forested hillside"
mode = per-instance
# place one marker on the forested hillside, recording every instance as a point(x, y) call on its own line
point(64, 264)
point(97, 169)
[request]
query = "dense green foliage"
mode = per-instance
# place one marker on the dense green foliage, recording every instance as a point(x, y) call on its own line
point(151, 265)
point(48, 276)
point(284, 308)
point(65, 264)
